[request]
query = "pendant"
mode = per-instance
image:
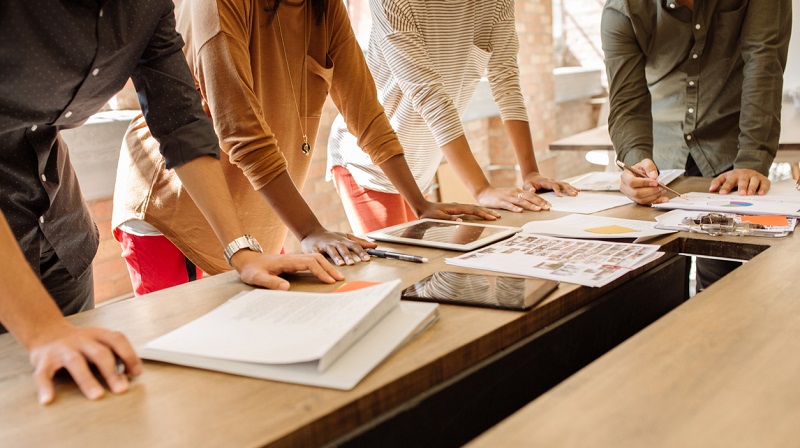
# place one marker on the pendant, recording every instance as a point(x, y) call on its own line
point(306, 148)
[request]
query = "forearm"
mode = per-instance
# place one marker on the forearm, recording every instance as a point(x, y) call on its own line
point(282, 195)
point(203, 180)
point(398, 172)
point(520, 134)
point(26, 308)
point(460, 157)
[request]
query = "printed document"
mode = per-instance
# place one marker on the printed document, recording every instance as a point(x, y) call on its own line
point(588, 263)
point(609, 180)
point(733, 203)
point(595, 227)
point(295, 336)
point(586, 202)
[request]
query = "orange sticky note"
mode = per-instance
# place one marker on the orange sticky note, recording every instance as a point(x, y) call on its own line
point(611, 230)
point(354, 285)
point(767, 220)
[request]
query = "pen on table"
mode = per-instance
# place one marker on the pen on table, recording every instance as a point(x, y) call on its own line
point(638, 173)
point(397, 256)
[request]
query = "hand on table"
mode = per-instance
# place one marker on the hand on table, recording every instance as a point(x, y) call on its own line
point(71, 348)
point(341, 248)
point(640, 190)
point(535, 182)
point(512, 199)
point(259, 269)
point(451, 212)
point(749, 182)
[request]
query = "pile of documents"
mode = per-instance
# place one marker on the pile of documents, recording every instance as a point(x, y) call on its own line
point(320, 339)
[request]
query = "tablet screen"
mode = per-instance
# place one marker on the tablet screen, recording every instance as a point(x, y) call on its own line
point(445, 232)
point(493, 291)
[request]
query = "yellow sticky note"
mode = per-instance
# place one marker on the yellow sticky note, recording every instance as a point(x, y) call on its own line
point(611, 230)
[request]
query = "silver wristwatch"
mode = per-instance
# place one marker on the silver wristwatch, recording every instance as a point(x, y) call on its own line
point(243, 242)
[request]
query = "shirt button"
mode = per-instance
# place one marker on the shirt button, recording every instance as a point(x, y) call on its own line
point(672, 5)
point(68, 114)
point(44, 178)
point(695, 56)
point(95, 72)
point(34, 127)
point(697, 27)
point(688, 137)
point(691, 83)
point(41, 220)
point(691, 110)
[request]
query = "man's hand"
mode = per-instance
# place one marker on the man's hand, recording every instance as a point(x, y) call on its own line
point(263, 269)
point(71, 348)
point(451, 212)
point(640, 190)
point(534, 182)
point(749, 182)
point(511, 199)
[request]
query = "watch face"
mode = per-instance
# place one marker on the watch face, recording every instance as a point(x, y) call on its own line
point(254, 244)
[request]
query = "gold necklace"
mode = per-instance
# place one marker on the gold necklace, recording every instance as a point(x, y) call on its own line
point(305, 148)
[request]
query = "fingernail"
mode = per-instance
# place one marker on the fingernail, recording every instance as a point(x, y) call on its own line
point(119, 385)
point(44, 398)
point(95, 393)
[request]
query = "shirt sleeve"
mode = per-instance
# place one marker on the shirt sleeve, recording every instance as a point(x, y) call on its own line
point(223, 69)
point(764, 41)
point(354, 94)
point(630, 119)
point(503, 68)
point(405, 53)
point(170, 103)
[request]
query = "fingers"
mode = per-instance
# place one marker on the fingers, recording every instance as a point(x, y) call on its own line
point(321, 269)
point(727, 186)
point(531, 201)
point(642, 191)
point(43, 377)
point(79, 371)
point(119, 344)
point(103, 358)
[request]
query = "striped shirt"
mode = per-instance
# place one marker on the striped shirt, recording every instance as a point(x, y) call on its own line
point(427, 57)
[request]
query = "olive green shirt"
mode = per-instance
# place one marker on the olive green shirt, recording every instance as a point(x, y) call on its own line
point(706, 82)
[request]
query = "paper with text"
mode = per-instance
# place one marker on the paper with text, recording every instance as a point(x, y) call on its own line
point(585, 202)
point(597, 227)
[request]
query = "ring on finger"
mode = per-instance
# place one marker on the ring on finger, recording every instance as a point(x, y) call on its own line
point(519, 195)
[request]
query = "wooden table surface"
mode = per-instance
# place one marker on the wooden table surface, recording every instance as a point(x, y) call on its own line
point(598, 138)
point(178, 406)
point(722, 369)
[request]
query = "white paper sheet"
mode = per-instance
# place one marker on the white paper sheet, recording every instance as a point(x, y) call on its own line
point(585, 202)
point(733, 203)
point(595, 227)
point(610, 180)
point(283, 327)
point(395, 330)
point(588, 263)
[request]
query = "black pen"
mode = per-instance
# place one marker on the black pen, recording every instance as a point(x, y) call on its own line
point(397, 256)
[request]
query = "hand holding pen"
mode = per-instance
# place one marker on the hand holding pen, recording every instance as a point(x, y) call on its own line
point(644, 192)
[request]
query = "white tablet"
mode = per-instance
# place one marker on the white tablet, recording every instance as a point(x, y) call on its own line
point(451, 235)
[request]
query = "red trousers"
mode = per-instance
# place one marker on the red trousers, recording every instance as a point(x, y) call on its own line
point(154, 263)
point(369, 210)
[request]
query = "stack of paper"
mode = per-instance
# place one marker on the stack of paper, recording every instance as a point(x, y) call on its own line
point(760, 225)
point(609, 180)
point(329, 340)
point(596, 227)
point(588, 263)
point(733, 203)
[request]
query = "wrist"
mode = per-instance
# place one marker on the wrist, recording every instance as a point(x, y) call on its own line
point(245, 243)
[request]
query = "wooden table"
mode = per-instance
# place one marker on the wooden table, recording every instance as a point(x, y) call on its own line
point(722, 370)
point(598, 138)
point(471, 369)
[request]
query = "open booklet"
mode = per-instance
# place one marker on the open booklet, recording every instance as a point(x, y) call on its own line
point(583, 262)
point(596, 227)
point(320, 339)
